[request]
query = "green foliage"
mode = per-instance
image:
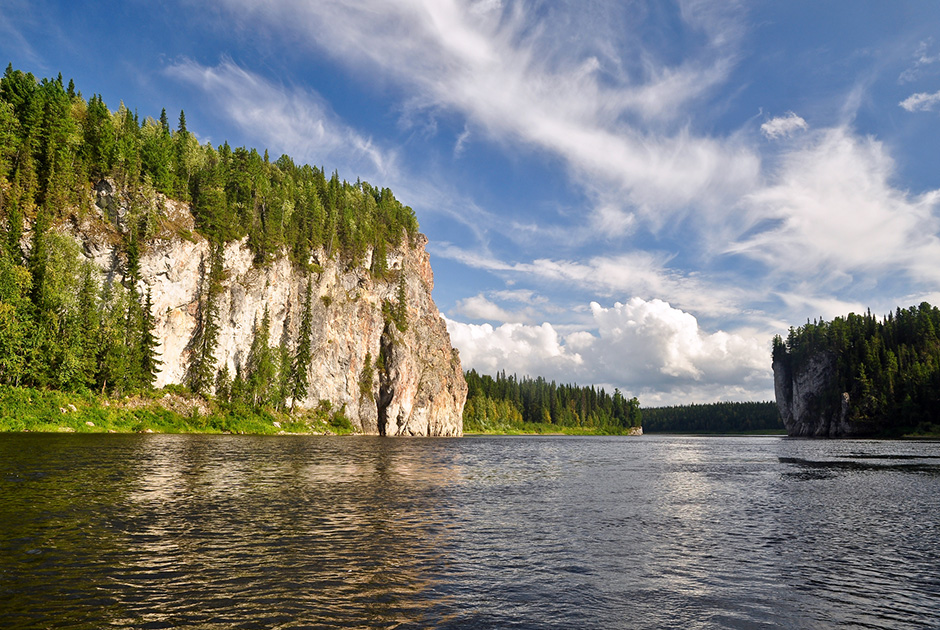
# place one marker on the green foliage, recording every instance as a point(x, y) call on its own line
point(201, 370)
point(53, 143)
point(513, 403)
point(890, 367)
point(722, 417)
point(300, 364)
point(62, 326)
point(32, 409)
point(367, 377)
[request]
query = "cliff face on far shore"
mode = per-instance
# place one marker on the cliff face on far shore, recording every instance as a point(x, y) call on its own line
point(808, 404)
point(390, 381)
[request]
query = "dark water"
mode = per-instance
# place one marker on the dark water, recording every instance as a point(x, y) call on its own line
point(165, 531)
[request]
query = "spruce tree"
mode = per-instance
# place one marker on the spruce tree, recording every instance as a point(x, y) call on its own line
point(149, 363)
point(302, 355)
point(206, 336)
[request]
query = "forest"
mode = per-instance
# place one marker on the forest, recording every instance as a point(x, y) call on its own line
point(517, 403)
point(63, 327)
point(720, 417)
point(890, 367)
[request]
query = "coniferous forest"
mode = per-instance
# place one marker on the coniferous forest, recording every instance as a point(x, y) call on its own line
point(721, 417)
point(61, 325)
point(512, 403)
point(889, 367)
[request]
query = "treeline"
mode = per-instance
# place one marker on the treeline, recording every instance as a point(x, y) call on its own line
point(721, 417)
point(62, 326)
point(889, 367)
point(511, 400)
point(54, 144)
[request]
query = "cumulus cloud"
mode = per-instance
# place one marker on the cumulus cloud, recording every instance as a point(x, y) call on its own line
point(516, 348)
point(783, 126)
point(296, 122)
point(639, 346)
point(921, 102)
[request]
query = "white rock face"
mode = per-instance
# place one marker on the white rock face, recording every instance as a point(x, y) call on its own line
point(421, 391)
point(805, 402)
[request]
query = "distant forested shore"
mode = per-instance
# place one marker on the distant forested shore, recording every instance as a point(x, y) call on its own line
point(720, 417)
point(510, 404)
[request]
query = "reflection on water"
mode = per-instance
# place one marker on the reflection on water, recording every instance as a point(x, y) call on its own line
point(164, 531)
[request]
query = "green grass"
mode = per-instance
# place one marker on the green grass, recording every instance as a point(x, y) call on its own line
point(27, 409)
point(507, 427)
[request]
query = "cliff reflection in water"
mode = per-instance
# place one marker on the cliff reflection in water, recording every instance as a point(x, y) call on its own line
point(203, 530)
point(218, 532)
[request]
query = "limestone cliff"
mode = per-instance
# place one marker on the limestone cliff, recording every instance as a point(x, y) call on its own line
point(809, 402)
point(419, 388)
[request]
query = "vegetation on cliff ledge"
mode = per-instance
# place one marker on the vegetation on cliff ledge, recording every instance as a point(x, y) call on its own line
point(890, 367)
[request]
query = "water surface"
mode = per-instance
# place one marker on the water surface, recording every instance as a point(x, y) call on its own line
point(170, 531)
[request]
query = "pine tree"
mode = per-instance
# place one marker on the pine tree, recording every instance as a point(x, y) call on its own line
point(261, 369)
point(302, 355)
point(205, 337)
point(149, 363)
point(401, 307)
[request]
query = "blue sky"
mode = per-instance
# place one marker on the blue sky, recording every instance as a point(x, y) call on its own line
point(630, 194)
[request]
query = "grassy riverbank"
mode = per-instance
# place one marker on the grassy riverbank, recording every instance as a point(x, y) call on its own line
point(171, 410)
point(508, 427)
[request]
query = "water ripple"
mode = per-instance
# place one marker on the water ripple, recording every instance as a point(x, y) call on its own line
point(312, 532)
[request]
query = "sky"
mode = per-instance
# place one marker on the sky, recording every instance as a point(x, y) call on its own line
point(631, 194)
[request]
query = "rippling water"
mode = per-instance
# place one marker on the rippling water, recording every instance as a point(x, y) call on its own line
point(168, 531)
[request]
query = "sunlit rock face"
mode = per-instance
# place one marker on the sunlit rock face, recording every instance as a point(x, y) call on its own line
point(416, 385)
point(808, 404)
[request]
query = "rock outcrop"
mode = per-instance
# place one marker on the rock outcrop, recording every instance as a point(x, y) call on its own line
point(809, 402)
point(389, 381)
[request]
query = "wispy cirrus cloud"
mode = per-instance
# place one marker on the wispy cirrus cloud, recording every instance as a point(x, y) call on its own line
point(295, 121)
point(636, 273)
point(921, 102)
point(922, 60)
point(831, 211)
point(617, 121)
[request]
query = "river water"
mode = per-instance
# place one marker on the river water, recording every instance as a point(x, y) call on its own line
point(173, 531)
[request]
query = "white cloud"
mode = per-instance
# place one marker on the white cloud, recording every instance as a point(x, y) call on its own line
point(642, 347)
point(922, 58)
point(519, 79)
point(462, 140)
point(479, 307)
point(516, 348)
point(832, 212)
point(921, 102)
point(783, 126)
point(299, 123)
point(636, 273)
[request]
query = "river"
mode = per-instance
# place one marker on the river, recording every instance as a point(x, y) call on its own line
point(194, 531)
